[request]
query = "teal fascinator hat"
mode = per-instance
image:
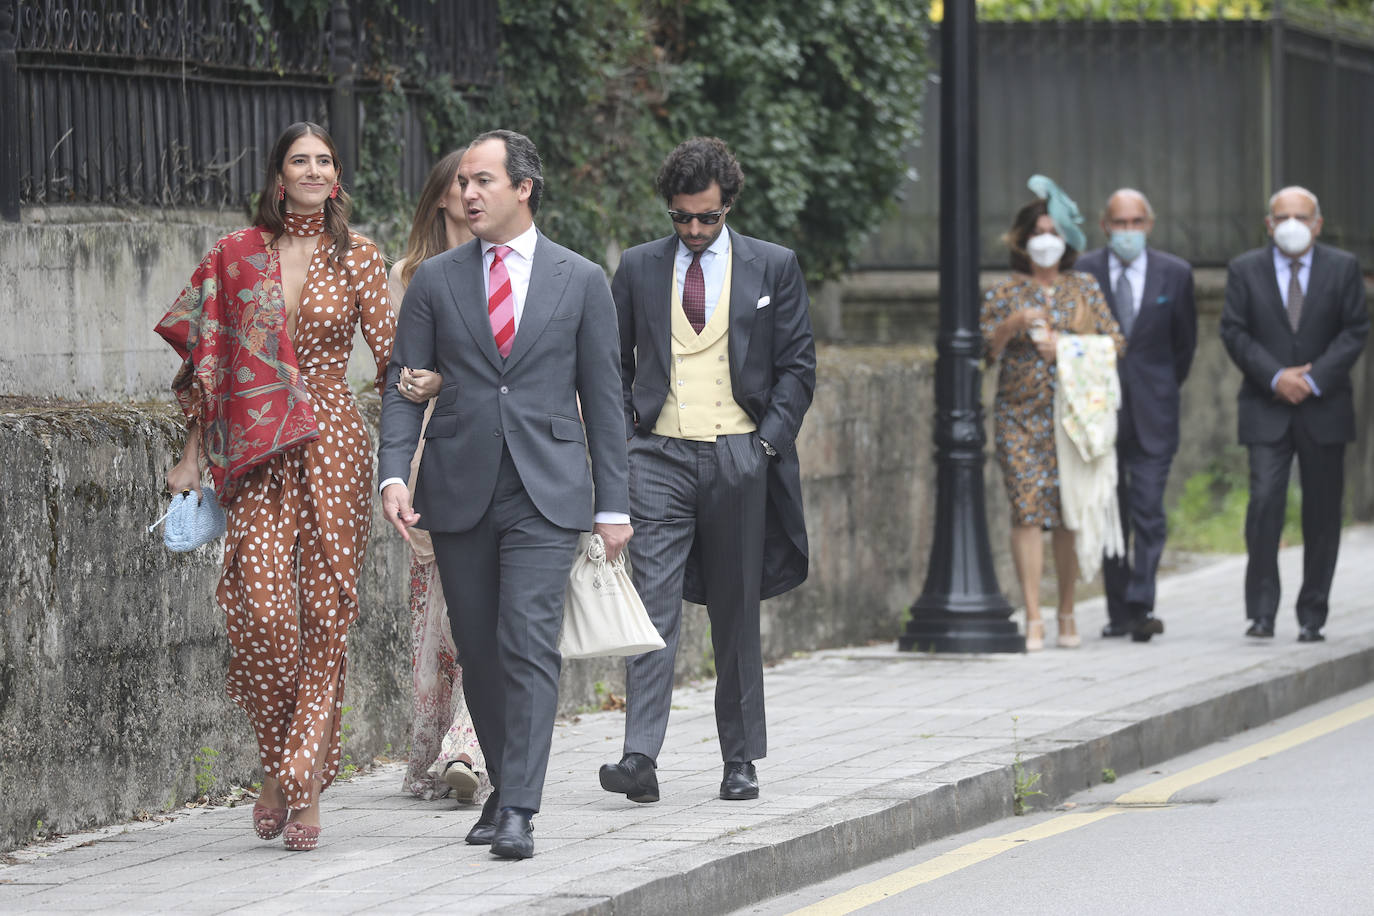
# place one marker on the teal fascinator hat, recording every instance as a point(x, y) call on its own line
point(1062, 209)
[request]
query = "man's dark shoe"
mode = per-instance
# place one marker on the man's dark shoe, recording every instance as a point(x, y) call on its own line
point(741, 781)
point(1261, 628)
point(1310, 634)
point(1115, 629)
point(514, 838)
point(482, 831)
point(1143, 628)
point(633, 776)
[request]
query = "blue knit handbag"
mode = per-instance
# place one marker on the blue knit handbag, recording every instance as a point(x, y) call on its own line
point(191, 522)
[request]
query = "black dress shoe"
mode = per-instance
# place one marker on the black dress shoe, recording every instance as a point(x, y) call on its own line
point(741, 781)
point(1261, 628)
point(482, 831)
point(1115, 629)
point(1143, 628)
point(1310, 634)
point(633, 776)
point(514, 837)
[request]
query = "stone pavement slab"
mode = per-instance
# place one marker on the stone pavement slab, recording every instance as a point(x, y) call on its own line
point(872, 751)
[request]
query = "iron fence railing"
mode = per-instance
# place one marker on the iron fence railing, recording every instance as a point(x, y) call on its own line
point(1206, 116)
point(174, 102)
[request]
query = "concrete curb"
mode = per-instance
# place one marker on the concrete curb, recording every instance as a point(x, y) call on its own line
point(791, 852)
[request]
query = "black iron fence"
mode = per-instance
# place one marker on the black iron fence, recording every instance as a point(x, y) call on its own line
point(174, 102)
point(1206, 117)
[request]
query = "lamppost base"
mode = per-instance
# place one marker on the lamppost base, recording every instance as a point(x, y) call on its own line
point(958, 633)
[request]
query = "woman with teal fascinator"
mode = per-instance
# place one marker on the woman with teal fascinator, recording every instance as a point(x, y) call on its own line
point(1021, 321)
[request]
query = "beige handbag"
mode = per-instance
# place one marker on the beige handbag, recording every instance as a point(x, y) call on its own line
point(602, 613)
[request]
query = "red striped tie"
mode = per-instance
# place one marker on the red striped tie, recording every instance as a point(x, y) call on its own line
point(501, 302)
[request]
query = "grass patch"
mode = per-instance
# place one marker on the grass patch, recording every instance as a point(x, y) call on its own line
point(1210, 514)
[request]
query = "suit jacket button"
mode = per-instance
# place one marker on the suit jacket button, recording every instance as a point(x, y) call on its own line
point(496, 432)
point(505, 390)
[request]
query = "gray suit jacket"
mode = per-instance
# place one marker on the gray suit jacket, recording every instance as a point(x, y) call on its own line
point(772, 373)
point(1261, 341)
point(566, 347)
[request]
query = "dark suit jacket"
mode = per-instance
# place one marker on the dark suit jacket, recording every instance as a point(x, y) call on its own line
point(565, 348)
point(1330, 335)
point(772, 373)
point(1160, 350)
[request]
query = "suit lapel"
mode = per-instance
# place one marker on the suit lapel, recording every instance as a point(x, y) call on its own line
point(1316, 286)
point(746, 279)
point(464, 275)
point(660, 279)
point(1271, 283)
point(1154, 286)
point(549, 276)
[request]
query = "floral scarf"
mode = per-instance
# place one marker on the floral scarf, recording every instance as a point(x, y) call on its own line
point(239, 379)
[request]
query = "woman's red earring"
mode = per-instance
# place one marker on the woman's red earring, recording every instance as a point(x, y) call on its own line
point(335, 191)
point(281, 192)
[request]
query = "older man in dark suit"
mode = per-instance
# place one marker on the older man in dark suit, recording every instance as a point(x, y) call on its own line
point(519, 328)
point(718, 366)
point(1151, 294)
point(1294, 322)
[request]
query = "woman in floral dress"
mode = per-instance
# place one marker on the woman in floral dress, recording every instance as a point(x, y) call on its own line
point(1021, 320)
point(444, 753)
point(264, 331)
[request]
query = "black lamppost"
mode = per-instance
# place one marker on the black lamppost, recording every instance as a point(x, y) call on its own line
point(961, 609)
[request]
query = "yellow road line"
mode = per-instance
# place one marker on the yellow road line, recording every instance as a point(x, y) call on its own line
point(1160, 791)
point(1156, 793)
point(950, 862)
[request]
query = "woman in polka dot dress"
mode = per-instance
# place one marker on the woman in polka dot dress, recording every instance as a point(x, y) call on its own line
point(265, 329)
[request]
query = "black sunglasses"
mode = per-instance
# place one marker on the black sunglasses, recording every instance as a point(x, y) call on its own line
point(706, 219)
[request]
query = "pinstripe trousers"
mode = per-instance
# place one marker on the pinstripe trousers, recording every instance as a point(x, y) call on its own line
point(713, 495)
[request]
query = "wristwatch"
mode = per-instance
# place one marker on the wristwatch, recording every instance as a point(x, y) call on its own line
point(768, 449)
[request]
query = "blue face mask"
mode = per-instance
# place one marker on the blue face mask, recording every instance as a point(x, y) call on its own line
point(1127, 244)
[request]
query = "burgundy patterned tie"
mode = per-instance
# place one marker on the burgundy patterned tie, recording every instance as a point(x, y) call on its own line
point(694, 294)
point(501, 301)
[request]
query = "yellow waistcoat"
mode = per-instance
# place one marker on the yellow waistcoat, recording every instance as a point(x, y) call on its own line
point(700, 403)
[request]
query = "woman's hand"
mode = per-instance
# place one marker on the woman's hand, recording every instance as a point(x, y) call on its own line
point(185, 474)
point(419, 385)
point(1047, 345)
point(1027, 318)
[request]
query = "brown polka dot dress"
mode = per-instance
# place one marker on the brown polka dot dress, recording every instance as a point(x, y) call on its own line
point(298, 529)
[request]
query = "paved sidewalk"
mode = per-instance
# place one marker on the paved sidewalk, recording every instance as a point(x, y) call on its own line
point(872, 751)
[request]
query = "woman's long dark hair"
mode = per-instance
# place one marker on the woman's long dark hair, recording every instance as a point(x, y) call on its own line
point(429, 230)
point(336, 209)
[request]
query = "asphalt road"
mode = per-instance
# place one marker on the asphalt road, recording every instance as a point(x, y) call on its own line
point(1244, 827)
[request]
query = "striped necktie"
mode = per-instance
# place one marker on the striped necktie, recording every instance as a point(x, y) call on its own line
point(501, 301)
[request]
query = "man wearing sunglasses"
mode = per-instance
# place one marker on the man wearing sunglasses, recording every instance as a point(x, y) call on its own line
point(718, 366)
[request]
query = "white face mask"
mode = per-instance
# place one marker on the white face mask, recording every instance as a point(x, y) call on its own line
point(1045, 250)
point(1292, 236)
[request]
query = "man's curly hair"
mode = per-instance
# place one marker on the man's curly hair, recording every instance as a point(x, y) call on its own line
point(697, 162)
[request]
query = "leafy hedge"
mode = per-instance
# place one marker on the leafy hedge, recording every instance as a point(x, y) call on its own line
point(819, 100)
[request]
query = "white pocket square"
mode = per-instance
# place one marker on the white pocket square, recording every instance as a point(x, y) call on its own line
point(764, 301)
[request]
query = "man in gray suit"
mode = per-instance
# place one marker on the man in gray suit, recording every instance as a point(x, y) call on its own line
point(1150, 293)
point(1294, 322)
point(718, 366)
point(519, 328)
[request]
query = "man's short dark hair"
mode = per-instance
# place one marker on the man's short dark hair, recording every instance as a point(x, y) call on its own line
point(522, 161)
point(696, 163)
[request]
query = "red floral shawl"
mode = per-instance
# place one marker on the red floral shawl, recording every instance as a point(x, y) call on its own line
point(239, 379)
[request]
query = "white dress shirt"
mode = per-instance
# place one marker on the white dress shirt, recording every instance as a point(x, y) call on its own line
point(713, 261)
point(1136, 271)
